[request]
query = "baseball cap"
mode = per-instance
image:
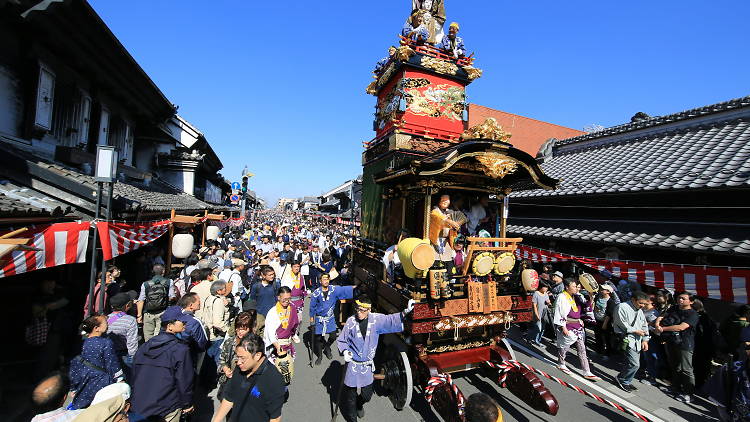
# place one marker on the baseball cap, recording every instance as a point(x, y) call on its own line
point(558, 274)
point(121, 299)
point(607, 287)
point(227, 263)
point(174, 313)
point(236, 262)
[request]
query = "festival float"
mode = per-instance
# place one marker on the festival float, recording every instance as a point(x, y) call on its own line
point(422, 154)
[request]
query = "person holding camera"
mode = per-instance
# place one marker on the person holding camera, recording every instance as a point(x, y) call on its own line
point(677, 327)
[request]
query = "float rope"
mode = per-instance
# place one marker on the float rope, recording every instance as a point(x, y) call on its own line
point(505, 367)
point(442, 379)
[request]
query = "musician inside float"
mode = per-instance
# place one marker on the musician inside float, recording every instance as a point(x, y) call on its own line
point(444, 228)
point(478, 214)
point(391, 260)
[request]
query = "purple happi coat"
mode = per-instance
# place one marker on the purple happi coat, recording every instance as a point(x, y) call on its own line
point(359, 371)
point(281, 333)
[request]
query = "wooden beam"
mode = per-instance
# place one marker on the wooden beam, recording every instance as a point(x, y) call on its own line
point(169, 246)
point(203, 238)
point(14, 232)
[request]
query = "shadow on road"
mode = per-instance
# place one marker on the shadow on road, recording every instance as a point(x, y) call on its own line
point(608, 413)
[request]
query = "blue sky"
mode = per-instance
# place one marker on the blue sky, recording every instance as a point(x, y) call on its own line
point(279, 86)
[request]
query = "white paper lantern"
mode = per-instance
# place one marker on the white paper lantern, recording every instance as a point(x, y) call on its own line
point(212, 232)
point(182, 245)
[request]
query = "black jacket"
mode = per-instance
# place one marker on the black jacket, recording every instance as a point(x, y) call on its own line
point(163, 376)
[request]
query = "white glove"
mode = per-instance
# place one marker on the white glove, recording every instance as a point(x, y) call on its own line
point(348, 356)
point(409, 306)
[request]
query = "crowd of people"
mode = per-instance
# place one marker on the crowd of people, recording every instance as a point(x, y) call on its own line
point(230, 317)
point(657, 337)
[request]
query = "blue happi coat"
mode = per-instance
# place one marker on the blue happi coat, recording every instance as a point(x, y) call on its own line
point(359, 371)
point(321, 308)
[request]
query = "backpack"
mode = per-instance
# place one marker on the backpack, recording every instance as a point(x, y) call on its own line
point(157, 295)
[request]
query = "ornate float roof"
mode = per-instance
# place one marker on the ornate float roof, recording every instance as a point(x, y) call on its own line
point(478, 164)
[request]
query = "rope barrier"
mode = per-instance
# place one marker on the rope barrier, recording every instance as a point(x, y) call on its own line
point(442, 379)
point(505, 367)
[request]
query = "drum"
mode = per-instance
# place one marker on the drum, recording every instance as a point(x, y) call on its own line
point(530, 279)
point(588, 282)
point(415, 255)
point(483, 263)
point(504, 263)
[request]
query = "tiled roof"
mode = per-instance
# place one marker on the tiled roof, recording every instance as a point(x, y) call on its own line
point(713, 154)
point(687, 243)
point(20, 201)
point(736, 103)
point(157, 196)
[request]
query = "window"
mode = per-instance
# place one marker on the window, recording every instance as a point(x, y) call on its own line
point(103, 127)
point(121, 136)
point(45, 96)
point(70, 119)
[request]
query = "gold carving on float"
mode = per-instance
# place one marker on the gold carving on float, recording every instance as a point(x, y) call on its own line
point(439, 66)
point(456, 347)
point(489, 129)
point(404, 53)
point(472, 72)
point(372, 89)
point(497, 165)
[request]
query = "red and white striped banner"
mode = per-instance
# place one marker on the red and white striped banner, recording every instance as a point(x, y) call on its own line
point(121, 238)
point(58, 244)
point(233, 222)
point(730, 284)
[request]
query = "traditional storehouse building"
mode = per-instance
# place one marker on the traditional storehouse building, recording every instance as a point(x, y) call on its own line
point(68, 85)
point(669, 189)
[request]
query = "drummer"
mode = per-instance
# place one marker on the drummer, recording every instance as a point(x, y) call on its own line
point(358, 342)
point(440, 227)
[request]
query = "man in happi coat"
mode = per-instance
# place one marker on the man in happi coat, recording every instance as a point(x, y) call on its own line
point(452, 43)
point(358, 342)
point(280, 333)
point(294, 279)
point(322, 305)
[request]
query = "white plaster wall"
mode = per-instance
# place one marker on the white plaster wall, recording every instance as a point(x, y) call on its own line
point(188, 182)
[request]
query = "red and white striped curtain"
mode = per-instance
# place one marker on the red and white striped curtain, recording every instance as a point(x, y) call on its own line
point(233, 222)
point(121, 238)
point(57, 244)
point(730, 284)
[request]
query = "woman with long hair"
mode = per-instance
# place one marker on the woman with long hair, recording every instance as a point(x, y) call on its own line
point(97, 366)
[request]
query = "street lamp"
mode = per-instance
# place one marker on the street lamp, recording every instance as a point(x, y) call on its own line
point(105, 171)
point(106, 164)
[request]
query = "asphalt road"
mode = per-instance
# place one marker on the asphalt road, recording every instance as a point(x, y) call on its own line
point(311, 394)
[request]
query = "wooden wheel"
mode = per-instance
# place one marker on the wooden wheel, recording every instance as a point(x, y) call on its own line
point(398, 381)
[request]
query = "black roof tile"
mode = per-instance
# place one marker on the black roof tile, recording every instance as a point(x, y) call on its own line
point(741, 247)
point(702, 152)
